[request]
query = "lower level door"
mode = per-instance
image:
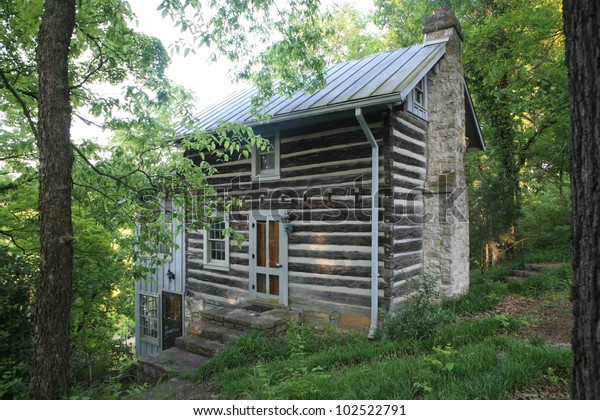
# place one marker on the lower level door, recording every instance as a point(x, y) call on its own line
point(269, 279)
point(172, 318)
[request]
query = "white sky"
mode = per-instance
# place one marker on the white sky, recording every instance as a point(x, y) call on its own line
point(208, 81)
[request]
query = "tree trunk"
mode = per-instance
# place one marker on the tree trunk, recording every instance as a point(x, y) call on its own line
point(49, 370)
point(582, 26)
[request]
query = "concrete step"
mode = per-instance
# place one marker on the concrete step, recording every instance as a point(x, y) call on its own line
point(214, 332)
point(238, 318)
point(198, 345)
point(170, 362)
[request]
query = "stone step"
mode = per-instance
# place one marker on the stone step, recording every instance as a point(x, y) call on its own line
point(198, 345)
point(238, 318)
point(170, 362)
point(510, 279)
point(541, 266)
point(214, 332)
point(525, 273)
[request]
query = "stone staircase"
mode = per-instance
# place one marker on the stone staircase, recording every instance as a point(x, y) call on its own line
point(529, 270)
point(218, 326)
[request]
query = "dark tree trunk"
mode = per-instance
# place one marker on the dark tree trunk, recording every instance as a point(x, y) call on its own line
point(49, 370)
point(582, 29)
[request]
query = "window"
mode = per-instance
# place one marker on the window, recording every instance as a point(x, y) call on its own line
point(265, 163)
point(148, 317)
point(417, 99)
point(165, 250)
point(216, 244)
point(420, 94)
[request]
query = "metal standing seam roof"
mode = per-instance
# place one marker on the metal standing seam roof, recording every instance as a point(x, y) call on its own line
point(377, 79)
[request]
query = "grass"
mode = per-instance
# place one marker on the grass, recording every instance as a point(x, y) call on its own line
point(472, 355)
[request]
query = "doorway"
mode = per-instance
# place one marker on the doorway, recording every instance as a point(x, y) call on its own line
point(268, 260)
point(172, 318)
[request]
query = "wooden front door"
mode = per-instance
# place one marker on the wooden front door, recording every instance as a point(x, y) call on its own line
point(268, 274)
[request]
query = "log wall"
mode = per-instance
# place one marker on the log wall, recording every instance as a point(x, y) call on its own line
point(325, 187)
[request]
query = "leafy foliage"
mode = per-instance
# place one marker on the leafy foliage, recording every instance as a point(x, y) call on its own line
point(17, 278)
point(419, 317)
point(473, 357)
point(520, 93)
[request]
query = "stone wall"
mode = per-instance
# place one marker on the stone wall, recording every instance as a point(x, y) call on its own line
point(446, 227)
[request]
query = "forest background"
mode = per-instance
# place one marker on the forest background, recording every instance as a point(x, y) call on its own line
point(514, 56)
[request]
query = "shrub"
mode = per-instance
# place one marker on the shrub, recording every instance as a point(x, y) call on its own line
point(420, 317)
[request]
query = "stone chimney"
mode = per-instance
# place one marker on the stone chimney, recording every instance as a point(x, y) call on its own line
point(446, 228)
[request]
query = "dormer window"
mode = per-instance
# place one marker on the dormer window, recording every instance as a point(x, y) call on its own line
point(417, 99)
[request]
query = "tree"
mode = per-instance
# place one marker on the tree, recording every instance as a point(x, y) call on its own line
point(582, 25)
point(40, 91)
point(49, 369)
point(519, 91)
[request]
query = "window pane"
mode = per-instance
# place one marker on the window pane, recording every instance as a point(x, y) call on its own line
point(217, 250)
point(273, 244)
point(148, 316)
point(261, 244)
point(267, 161)
point(216, 230)
point(261, 283)
point(274, 285)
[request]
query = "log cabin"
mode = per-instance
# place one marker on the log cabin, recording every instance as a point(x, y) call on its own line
point(362, 193)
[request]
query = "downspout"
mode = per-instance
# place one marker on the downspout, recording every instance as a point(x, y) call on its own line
point(374, 221)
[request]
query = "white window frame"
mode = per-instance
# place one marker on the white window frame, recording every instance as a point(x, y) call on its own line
point(166, 253)
point(269, 174)
point(414, 107)
point(209, 263)
point(156, 317)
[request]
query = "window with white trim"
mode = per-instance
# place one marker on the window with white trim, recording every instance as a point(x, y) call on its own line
point(148, 313)
point(216, 244)
point(417, 99)
point(265, 163)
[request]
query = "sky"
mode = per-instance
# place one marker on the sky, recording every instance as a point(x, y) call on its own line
point(208, 81)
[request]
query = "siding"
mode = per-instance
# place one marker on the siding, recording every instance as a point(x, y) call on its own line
point(157, 283)
point(408, 169)
point(325, 186)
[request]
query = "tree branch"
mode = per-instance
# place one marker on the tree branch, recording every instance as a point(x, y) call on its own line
point(21, 102)
point(98, 171)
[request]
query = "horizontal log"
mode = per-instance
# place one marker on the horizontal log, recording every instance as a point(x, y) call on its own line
point(326, 168)
point(333, 255)
point(214, 290)
point(321, 140)
point(339, 270)
point(333, 298)
point(407, 274)
point(419, 177)
point(229, 281)
point(362, 150)
point(402, 260)
point(327, 228)
point(330, 240)
point(407, 247)
point(407, 233)
point(408, 160)
point(405, 144)
point(411, 119)
point(330, 282)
